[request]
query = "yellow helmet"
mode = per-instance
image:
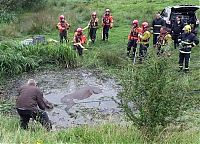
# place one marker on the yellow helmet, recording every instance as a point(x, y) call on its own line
point(187, 29)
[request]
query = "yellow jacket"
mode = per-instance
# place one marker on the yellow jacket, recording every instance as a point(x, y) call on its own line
point(144, 38)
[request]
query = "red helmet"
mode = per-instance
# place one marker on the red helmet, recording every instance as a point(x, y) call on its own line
point(145, 25)
point(94, 14)
point(61, 17)
point(135, 22)
point(79, 30)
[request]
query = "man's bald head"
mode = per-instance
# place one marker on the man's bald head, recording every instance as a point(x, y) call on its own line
point(31, 82)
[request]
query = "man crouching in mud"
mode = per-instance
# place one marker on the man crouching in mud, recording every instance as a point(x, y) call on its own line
point(27, 104)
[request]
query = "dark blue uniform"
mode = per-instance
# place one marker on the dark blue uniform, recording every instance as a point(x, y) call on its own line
point(186, 42)
point(157, 24)
point(177, 29)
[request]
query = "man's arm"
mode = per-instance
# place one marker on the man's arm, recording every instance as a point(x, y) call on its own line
point(40, 100)
point(48, 105)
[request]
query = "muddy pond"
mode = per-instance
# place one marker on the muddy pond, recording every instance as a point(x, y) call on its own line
point(80, 96)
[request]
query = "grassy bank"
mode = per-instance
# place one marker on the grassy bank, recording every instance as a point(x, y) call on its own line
point(110, 57)
point(105, 133)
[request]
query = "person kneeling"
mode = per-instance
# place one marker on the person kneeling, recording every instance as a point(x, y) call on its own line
point(79, 40)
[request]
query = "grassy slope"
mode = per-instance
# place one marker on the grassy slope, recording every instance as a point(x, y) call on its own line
point(123, 12)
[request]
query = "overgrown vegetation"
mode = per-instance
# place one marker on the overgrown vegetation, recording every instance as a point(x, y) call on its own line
point(154, 94)
point(16, 5)
point(15, 59)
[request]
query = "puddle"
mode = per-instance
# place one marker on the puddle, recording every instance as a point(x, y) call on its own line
point(82, 104)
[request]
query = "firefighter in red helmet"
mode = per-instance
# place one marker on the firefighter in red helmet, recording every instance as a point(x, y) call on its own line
point(79, 40)
point(107, 23)
point(93, 26)
point(133, 37)
point(63, 27)
point(144, 40)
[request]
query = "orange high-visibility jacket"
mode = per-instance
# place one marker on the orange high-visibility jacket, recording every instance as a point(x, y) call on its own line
point(107, 20)
point(79, 38)
point(62, 26)
point(134, 33)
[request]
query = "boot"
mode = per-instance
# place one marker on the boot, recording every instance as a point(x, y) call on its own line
point(186, 70)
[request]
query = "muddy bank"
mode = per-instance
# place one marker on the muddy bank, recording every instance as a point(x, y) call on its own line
point(92, 109)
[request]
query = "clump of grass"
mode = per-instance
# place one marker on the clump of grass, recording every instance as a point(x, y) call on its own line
point(16, 59)
point(109, 58)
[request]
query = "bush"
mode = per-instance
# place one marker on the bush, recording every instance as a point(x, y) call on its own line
point(14, 5)
point(154, 97)
point(7, 17)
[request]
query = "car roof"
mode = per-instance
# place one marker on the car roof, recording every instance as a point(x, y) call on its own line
point(184, 6)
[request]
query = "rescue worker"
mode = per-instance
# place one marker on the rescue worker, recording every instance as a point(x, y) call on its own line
point(187, 40)
point(164, 41)
point(27, 104)
point(177, 29)
point(144, 40)
point(133, 37)
point(107, 23)
point(93, 26)
point(63, 27)
point(79, 40)
point(157, 23)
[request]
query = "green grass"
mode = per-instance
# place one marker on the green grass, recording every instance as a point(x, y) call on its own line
point(105, 133)
point(110, 57)
point(16, 59)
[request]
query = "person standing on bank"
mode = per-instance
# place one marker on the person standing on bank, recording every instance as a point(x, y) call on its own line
point(93, 26)
point(107, 23)
point(30, 98)
point(186, 40)
point(63, 27)
point(177, 29)
point(157, 23)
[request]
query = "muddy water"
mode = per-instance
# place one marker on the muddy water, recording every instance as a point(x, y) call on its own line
point(93, 109)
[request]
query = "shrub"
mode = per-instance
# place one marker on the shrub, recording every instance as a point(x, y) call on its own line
point(14, 5)
point(7, 17)
point(154, 97)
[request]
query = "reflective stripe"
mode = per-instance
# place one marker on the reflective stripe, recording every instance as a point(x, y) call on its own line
point(186, 68)
point(184, 51)
point(157, 25)
point(156, 33)
point(184, 42)
point(180, 66)
point(194, 44)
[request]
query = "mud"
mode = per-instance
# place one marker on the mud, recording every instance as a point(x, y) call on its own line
point(88, 97)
